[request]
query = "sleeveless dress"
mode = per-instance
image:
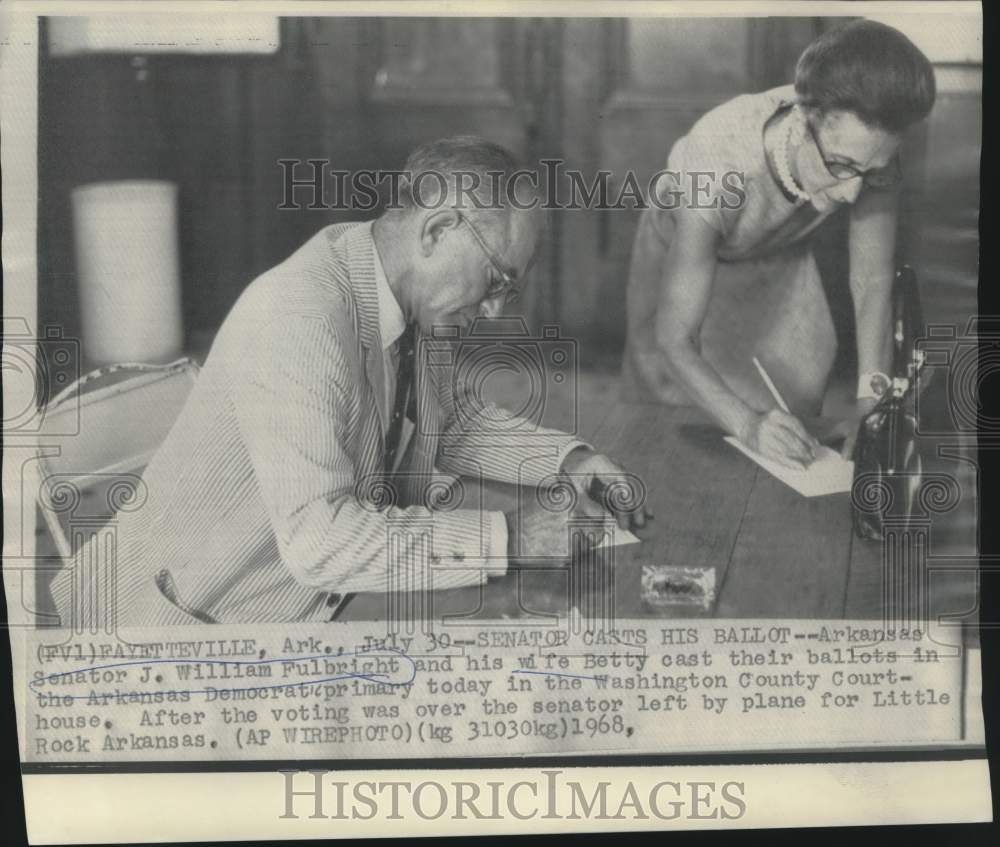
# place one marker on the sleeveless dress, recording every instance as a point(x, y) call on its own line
point(767, 299)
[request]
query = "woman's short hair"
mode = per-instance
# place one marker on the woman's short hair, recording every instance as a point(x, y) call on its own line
point(869, 69)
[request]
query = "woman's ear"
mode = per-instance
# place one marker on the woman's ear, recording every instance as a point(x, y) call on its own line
point(801, 116)
point(436, 226)
point(813, 114)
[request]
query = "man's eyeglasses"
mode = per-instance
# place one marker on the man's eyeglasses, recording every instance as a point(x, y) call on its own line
point(885, 177)
point(506, 286)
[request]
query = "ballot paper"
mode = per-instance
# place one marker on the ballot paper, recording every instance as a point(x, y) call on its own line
point(829, 472)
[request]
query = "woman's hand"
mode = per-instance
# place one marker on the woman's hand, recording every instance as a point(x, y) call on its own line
point(781, 437)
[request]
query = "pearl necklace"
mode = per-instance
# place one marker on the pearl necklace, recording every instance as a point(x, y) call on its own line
point(784, 168)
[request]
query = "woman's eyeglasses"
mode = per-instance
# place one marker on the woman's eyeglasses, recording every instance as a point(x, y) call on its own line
point(506, 286)
point(885, 177)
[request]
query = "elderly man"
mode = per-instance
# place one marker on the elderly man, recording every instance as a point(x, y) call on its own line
point(262, 500)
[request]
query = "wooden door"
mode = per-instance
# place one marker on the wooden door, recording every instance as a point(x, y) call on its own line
point(609, 94)
point(433, 77)
point(371, 89)
point(362, 92)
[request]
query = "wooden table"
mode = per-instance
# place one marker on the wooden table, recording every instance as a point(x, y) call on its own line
point(774, 553)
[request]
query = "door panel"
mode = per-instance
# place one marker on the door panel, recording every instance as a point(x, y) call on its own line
point(426, 78)
point(670, 55)
point(430, 60)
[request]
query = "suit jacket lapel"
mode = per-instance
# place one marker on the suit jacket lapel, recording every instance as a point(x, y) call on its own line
point(375, 372)
point(428, 406)
point(361, 266)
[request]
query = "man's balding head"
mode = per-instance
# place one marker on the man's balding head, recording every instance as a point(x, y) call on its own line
point(467, 229)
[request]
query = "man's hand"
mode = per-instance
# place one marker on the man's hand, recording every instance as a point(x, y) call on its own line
point(602, 484)
point(781, 437)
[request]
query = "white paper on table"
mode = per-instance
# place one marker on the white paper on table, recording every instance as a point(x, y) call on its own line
point(829, 473)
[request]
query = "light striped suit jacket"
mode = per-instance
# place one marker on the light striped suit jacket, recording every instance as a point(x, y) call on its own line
point(263, 501)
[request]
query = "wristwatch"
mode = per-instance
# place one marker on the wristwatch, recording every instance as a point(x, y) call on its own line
point(873, 384)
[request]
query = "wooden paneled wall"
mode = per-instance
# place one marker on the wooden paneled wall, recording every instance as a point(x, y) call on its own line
point(598, 94)
point(360, 93)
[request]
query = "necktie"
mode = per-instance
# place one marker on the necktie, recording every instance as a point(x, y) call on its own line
point(404, 404)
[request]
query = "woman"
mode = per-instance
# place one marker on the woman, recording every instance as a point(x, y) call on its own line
point(722, 269)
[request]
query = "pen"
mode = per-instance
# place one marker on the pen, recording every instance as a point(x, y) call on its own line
point(771, 386)
point(779, 399)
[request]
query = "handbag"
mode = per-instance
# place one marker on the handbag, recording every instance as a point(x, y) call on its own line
point(888, 466)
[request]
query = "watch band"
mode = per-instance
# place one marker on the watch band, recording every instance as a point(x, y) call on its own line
point(873, 384)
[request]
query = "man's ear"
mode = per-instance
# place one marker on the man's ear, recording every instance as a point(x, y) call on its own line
point(437, 226)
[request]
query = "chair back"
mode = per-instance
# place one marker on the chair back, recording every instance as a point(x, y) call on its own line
point(96, 438)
